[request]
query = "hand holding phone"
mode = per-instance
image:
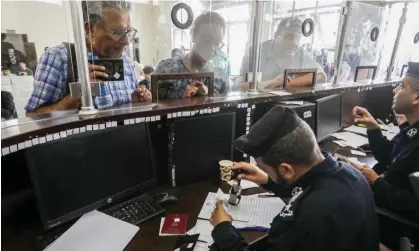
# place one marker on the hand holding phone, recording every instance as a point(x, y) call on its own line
point(97, 73)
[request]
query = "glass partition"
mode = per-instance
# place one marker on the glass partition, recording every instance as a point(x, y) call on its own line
point(298, 35)
point(407, 50)
point(215, 41)
point(34, 62)
point(128, 41)
point(370, 37)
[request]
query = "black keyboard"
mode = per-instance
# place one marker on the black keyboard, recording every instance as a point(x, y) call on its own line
point(134, 211)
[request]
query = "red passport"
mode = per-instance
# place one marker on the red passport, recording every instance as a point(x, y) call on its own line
point(175, 224)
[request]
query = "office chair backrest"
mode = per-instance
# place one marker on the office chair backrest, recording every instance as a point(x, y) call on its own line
point(414, 180)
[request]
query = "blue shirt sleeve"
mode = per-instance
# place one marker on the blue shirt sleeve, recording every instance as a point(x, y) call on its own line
point(49, 82)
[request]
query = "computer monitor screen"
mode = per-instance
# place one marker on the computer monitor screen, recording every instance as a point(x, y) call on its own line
point(200, 143)
point(328, 116)
point(87, 171)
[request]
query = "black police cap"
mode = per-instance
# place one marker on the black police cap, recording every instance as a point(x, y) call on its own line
point(274, 125)
point(412, 69)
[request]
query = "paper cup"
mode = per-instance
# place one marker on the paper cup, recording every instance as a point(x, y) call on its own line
point(225, 171)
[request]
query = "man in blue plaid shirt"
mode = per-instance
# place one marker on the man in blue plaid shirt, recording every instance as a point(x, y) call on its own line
point(108, 31)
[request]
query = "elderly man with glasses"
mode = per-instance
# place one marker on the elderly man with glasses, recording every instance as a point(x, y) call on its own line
point(108, 32)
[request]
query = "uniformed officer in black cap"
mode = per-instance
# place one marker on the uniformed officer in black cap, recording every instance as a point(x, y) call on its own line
point(332, 207)
point(396, 158)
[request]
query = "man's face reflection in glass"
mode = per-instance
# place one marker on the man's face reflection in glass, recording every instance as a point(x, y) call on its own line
point(108, 32)
point(288, 37)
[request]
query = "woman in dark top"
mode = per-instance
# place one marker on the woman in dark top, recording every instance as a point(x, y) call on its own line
point(207, 35)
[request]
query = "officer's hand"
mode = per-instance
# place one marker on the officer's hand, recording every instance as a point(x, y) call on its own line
point(251, 172)
point(362, 116)
point(219, 215)
point(97, 71)
point(370, 175)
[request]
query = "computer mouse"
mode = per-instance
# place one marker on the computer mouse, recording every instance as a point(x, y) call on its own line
point(167, 200)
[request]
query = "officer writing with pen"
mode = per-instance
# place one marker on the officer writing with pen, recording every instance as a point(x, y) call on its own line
point(332, 207)
point(389, 179)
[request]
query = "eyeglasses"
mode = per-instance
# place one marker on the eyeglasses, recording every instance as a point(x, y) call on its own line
point(119, 34)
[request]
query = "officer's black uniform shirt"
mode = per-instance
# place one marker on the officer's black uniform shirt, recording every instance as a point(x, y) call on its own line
point(396, 160)
point(332, 208)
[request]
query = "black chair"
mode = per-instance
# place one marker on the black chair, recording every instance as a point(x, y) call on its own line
point(405, 243)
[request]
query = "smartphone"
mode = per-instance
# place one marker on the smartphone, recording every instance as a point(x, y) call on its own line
point(113, 67)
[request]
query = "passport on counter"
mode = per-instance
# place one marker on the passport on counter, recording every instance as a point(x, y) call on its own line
point(175, 224)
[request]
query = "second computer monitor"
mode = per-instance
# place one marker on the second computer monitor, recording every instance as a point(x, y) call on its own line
point(199, 144)
point(328, 116)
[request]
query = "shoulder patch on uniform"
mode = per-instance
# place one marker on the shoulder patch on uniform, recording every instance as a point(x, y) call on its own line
point(412, 132)
point(288, 210)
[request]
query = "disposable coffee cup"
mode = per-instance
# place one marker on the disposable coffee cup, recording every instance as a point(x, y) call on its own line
point(225, 171)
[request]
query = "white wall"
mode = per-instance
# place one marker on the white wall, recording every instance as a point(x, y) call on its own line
point(48, 24)
point(45, 23)
point(154, 31)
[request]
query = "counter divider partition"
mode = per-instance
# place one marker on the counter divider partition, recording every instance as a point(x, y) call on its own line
point(30, 132)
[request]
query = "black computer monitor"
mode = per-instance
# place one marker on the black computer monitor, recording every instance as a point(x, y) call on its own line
point(200, 143)
point(83, 172)
point(328, 116)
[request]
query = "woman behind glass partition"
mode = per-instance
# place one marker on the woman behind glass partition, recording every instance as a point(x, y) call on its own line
point(207, 37)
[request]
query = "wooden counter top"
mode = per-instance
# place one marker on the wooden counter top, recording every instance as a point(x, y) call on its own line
point(21, 130)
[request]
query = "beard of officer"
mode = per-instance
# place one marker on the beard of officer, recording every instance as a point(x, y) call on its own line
point(289, 159)
point(406, 99)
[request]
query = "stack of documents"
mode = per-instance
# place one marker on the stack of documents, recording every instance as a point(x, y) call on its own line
point(350, 139)
point(95, 231)
point(252, 213)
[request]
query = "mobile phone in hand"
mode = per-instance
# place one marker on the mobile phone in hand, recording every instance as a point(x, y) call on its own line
point(114, 68)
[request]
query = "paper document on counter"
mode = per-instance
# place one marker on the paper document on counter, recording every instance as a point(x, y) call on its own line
point(95, 231)
point(352, 139)
point(280, 93)
point(245, 184)
point(355, 152)
point(252, 210)
point(294, 102)
point(356, 129)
